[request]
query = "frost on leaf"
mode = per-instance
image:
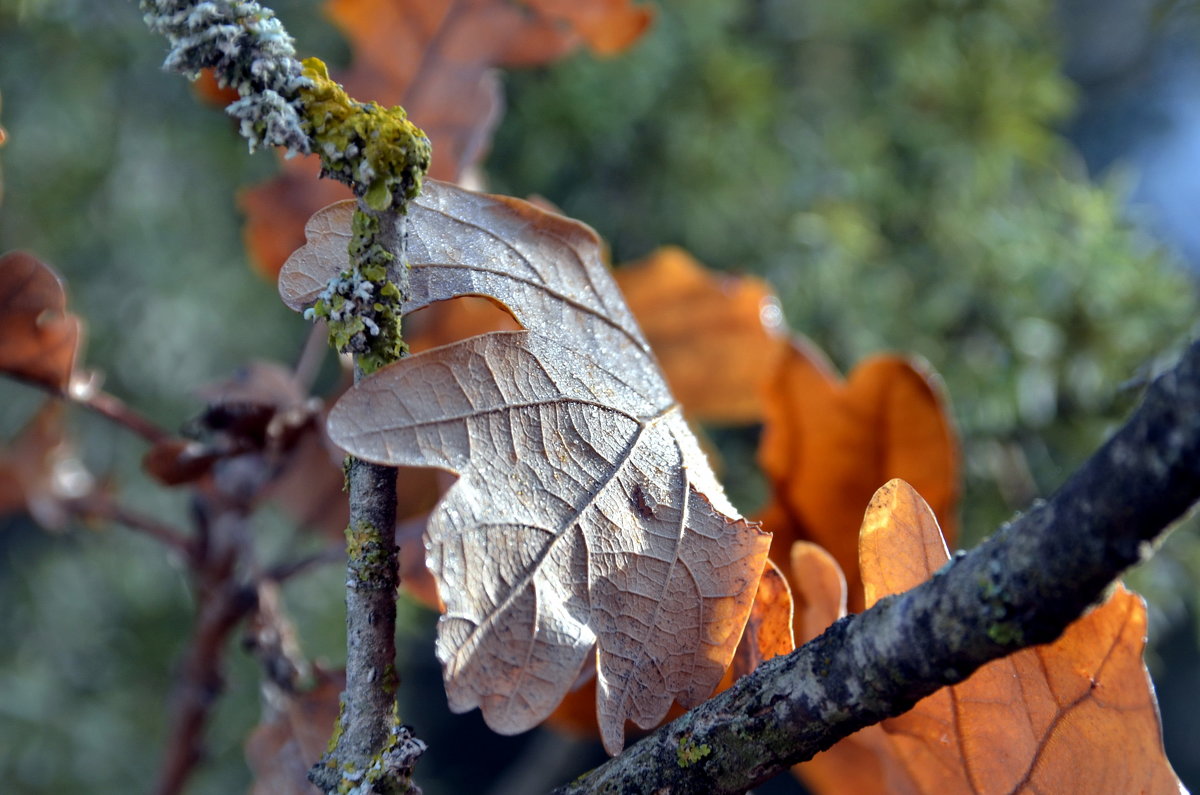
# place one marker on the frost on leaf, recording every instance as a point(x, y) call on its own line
point(585, 520)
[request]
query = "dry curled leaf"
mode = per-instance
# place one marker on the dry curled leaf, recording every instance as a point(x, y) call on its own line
point(828, 444)
point(1077, 715)
point(585, 523)
point(718, 337)
point(38, 337)
point(438, 60)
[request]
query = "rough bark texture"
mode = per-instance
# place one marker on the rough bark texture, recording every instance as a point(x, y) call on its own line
point(1021, 587)
point(370, 746)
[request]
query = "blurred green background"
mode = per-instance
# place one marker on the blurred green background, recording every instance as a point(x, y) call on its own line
point(915, 175)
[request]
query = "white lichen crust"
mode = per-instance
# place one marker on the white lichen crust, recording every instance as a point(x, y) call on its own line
point(247, 48)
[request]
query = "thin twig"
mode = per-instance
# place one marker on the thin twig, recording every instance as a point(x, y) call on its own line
point(105, 404)
point(282, 572)
point(118, 411)
point(99, 506)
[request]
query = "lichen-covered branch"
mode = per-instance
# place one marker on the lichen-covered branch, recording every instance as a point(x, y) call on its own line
point(1021, 587)
point(247, 48)
point(383, 158)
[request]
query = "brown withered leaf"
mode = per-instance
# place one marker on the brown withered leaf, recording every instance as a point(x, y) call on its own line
point(40, 470)
point(1077, 715)
point(828, 444)
point(586, 521)
point(283, 747)
point(39, 339)
point(719, 338)
point(437, 59)
point(769, 629)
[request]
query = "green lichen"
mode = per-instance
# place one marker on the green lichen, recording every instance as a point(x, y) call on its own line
point(368, 554)
point(375, 150)
point(383, 157)
point(1006, 633)
point(689, 753)
point(339, 727)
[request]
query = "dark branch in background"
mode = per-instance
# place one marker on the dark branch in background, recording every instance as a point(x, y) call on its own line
point(83, 392)
point(1021, 587)
point(99, 505)
point(225, 594)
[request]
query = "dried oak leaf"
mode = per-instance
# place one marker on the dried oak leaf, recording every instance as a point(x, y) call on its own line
point(437, 59)
point(768, 634)
point(39, 339)
point(292, 738)
point(719, 338)
point(828, 444)
point(1077, 715)
point(585, 523)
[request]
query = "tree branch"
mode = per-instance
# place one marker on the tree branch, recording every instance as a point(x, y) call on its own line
point(1021, 587)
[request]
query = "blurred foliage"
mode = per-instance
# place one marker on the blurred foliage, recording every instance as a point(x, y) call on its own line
point(891, 166)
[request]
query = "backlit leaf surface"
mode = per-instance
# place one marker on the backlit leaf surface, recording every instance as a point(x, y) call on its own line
point(829, 443)
point(719, 337)
point(1077, 715)
point(586, 522)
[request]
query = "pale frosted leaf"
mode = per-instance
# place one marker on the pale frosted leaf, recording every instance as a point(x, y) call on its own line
point(586, 520)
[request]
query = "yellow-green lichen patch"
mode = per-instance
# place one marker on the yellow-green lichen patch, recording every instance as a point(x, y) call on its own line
point(376, 150)
point(689, 753)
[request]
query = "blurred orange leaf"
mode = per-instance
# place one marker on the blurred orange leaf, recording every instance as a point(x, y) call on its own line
point(819, 590)
point(828, 444)
point(213, 92)
point(437, 59)
point(1077, 715)
point(38, 337)
point(718, 338)
point(283, 747)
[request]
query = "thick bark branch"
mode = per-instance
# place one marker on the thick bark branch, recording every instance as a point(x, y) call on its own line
point(1021, 587)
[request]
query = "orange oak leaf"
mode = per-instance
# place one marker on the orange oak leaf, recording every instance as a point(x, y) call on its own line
point(859, 763)
point(292, 738)
point(1077, 715)
point(719, 338)
point(39, 339)
point(586, 523)
point(819, 593)
point(437, 59)
point(828, 444)
point(769, 629)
